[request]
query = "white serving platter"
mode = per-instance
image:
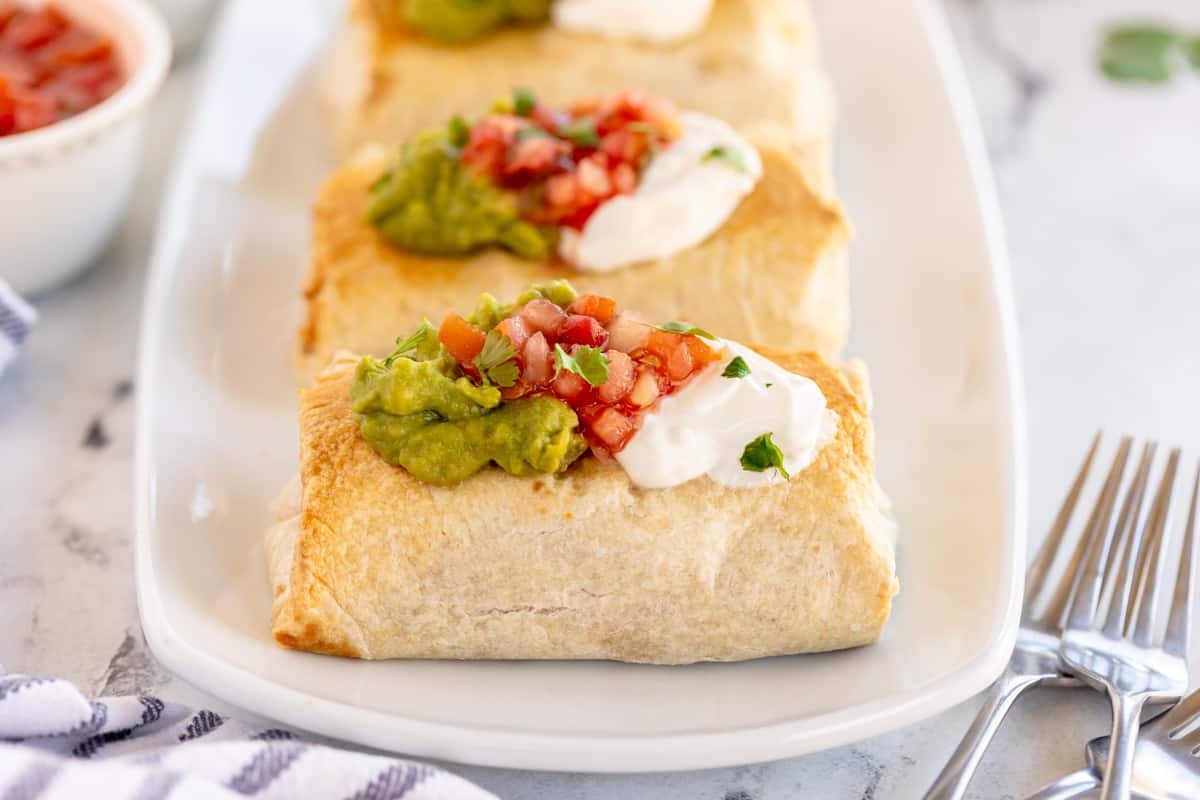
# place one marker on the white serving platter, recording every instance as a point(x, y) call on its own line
point(933, 317)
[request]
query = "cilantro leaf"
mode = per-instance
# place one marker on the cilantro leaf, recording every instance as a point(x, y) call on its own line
point(1140, 54)
point(406, 345)
point(458, 131)
point(762, 454)
point(496, 361)
point(686, 328)
point(588, 363)
point(582, 132)
point(738, 368)
point(523, 102)
point(728, 155)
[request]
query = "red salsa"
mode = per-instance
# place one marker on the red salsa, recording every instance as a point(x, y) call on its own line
point(566, 162)
point(51, 67)
point(643, 363)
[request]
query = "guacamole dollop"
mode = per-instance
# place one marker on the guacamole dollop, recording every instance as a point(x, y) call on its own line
point(417, 410)
point(430, 203)
point(453, 21)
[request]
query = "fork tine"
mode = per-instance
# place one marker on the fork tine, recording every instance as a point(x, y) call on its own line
point(1149, 579)
point(1121, 572)
point(1085, 589)
point(1182, 714)
point(1035, 576)
point(1179, 623)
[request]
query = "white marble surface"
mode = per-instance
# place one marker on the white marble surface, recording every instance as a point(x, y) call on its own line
point(1099, 189)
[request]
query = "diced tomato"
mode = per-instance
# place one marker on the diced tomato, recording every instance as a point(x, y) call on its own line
point(645, 390)
point(627, 333)
point(533, 155)
point(597, 306)
point(561, 190)
point(580, 329)
point(593, 176)
point(516, 391)
point(539, 363)
point(612, 428)
point(701, 352)
point(460, 338)
point(572, 388)
point(672, 350)
point(514, 328)
point(621, 376)
point(624, 179)
point(542, 315)
point(487, 148)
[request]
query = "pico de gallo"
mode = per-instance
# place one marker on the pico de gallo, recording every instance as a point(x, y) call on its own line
point(452, 399)
point(519, 174)
point(51, 67)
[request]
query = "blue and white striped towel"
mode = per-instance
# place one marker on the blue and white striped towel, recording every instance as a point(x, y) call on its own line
point(16, 318)
point(55, 744)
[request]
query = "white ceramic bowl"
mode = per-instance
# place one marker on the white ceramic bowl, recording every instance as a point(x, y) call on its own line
point(64, 188)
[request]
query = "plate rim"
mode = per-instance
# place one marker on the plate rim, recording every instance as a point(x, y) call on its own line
point(559, 752)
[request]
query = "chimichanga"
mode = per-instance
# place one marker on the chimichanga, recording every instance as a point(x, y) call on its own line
point(774, 272)
point(754, 60)
point(585, 562)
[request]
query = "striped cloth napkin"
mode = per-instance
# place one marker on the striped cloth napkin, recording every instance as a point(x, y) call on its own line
point(16, 318)
point(55, 744)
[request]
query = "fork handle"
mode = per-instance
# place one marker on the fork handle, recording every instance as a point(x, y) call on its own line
point(1118, 775)
point(1078, 784)
point(951, 784)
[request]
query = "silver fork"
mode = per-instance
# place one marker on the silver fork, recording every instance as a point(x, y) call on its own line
point(1166, 767)
point(1120, 651)
point(1034, 661)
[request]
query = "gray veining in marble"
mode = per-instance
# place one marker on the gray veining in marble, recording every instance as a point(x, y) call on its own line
point(1098, 184)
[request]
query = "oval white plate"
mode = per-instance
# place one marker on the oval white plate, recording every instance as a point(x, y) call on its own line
point(217, 434)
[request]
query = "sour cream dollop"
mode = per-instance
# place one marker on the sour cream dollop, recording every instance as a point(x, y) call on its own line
point(658, 21)
point(704, 428)
point(685, 194)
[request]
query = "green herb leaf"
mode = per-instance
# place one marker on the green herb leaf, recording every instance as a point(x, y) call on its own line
point(738, 368)
point(582, 132)
point(588, 363)
point(523, 102)
point(728, 155)
point(769, 385)
point(406, 345)
point(495, 361)
point(686, 328)
point(459, 131)
point(1140, 54)
point(1191, 47)
point(762, 454)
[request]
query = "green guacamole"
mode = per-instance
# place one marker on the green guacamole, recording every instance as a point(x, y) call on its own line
point(430, 203)
point(453, 21)
point(417, 410)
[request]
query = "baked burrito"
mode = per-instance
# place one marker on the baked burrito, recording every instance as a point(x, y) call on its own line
point(400, 66)
point(550, 479)
point(679, 210)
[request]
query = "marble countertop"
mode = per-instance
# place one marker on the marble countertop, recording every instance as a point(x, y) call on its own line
point(1098, 185)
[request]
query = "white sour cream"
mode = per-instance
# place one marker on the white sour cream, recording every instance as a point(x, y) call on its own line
point(657, 21)
point(704, 428)
point(681, 199)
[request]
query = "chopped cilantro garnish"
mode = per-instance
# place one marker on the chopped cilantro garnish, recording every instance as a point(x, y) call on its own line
point(587, 362)
point(686, 328)
point(406, 345)
point(582, 132)
point(523, 102)
point(762, 454)
point(738, 368)
point(459, 131)
point(727, 154)
point(495, 361)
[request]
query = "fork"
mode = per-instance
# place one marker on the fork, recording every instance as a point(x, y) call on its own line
point(1165, 767)
point(1034, 661)
point(1120, 652)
